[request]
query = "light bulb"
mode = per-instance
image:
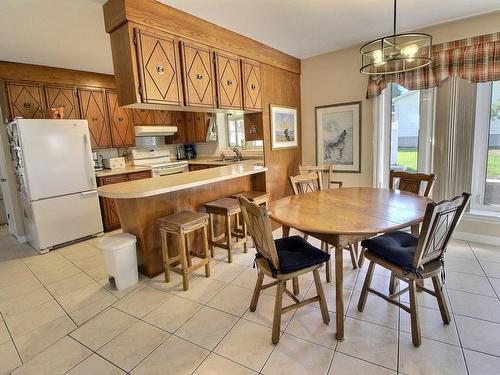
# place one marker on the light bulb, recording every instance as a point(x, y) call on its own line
point(409, 51)
point(378, 58)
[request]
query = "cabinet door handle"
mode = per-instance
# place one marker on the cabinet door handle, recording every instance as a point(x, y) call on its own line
point(160, 69)
point(27, 105)
point(229, 82)
point(199, 76)
point(94, 119)
point(253, 87)
point(120, 119)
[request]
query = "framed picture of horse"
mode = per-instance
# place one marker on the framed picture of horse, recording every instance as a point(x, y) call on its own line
point(283, 127)
point(338, 136)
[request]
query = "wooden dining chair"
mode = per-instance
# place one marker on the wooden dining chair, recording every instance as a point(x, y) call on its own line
point(306, 183)
point(411, 183)
point(282, 260)
point(411, 258)
point(326, 172)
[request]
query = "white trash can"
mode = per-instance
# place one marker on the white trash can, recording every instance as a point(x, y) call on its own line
point(121, 259)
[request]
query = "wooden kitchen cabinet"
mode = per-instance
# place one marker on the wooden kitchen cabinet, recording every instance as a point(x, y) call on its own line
point(65, 97)
point(24, 100)
point(199, 167)
point(143, 117)
point(109, 212)
point(178, 119)
point(228, 75)
point(198, 74)
point(162, 118)
point(120, 122)
point(93, 109)
point(159, 68)
point(252, 85)
point(254, 129)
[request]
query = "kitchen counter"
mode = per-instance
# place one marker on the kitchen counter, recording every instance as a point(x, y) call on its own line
point(176, 182)
point(140, 203)
point(127, 169)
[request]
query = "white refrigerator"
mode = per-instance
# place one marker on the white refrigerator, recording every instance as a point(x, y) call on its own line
point(56, 181)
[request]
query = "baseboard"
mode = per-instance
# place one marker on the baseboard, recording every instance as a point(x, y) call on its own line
point(481, 238)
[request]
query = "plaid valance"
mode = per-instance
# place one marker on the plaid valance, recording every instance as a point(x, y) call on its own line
point(475, 59)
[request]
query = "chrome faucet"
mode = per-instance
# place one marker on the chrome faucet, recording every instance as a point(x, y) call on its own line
point(238, 155)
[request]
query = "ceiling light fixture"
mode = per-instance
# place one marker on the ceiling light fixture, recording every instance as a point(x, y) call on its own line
point(396, 53)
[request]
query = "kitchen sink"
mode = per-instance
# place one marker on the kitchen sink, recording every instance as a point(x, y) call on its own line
point(228, 160)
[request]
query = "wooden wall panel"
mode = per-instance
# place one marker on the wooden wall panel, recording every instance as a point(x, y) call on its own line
point(280, 87)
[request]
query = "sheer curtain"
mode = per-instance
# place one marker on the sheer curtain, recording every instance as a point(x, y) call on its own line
point(382, 107)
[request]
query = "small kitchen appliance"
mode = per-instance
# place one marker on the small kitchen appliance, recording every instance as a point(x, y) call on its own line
point(158, 159)
point(114, 163)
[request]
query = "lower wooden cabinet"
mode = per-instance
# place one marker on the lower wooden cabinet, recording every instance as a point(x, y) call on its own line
point(198, 167)
point(109, 211)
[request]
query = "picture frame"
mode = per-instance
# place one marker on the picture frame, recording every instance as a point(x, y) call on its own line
point(284, 134)
point(338, 136)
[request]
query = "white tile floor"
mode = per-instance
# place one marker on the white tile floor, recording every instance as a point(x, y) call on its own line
point(59, 315)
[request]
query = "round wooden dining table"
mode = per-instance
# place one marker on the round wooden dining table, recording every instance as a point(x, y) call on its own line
point(344, 216)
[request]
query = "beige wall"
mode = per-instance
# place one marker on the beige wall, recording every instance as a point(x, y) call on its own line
point(334, 78)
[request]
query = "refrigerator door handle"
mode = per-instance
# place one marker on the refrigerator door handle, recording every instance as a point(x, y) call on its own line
point(85, 193)
point(90, 163)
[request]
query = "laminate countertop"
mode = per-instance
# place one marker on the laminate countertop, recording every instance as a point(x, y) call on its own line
point(128, 169)
point(170, 183)
point(228, 161)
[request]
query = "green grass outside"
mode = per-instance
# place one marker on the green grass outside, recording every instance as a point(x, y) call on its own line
point(408, 158)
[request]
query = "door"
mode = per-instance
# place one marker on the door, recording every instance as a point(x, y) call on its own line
point(62, 219)
point(252, 83)
point(228, 81)
point(65, 97)
point(159, 69)
point(25, 100)
point(143, 117)
point(93, 109)
point(57, 157)
point(120, 122)
point(198, 73)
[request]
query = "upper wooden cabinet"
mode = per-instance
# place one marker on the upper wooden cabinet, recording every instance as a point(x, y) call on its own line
point(120, 122)
point(93, 109)
point(228, 81)
point(25, 100)
point(198, 74)
point(65, 97)
point(252, 85)
point(159, 69)
point(143, 117)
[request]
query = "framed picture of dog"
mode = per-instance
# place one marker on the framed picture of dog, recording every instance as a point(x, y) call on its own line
point(338, 136)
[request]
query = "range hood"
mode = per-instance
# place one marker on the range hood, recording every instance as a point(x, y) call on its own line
point(154, 131)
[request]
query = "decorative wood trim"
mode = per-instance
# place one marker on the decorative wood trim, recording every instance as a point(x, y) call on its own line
point(162, 17)
point(54, 76)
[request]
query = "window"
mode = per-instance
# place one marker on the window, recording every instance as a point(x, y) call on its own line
point(235, 131)
point(405, 124)
point(486, 167)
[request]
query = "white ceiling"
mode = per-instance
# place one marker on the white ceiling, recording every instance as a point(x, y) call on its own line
point(70, 33)
point(304, 28)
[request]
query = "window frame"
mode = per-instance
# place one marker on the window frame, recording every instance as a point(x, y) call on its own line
point(481, 147)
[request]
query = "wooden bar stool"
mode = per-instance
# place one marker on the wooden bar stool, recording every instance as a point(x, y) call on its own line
point(227, 208)
point(180, 225)
point(257, 197)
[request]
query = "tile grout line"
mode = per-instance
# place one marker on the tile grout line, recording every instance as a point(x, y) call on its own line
point(13, 343)
point(480, 265)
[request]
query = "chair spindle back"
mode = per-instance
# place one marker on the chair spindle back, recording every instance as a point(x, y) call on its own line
point(439, 223)
point(326, 172)
point(306, 183)
point(411, 182)
point(259, 226)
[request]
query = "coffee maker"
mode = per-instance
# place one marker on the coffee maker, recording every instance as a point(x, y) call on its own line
point(97, 160)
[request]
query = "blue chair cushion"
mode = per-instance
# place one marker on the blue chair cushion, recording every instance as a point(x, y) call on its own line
point(295, 253)
point(397, 248)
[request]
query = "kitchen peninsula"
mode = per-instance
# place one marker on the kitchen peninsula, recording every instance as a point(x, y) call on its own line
point(141, 202)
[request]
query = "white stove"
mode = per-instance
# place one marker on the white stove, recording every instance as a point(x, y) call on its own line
point(159, 161)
